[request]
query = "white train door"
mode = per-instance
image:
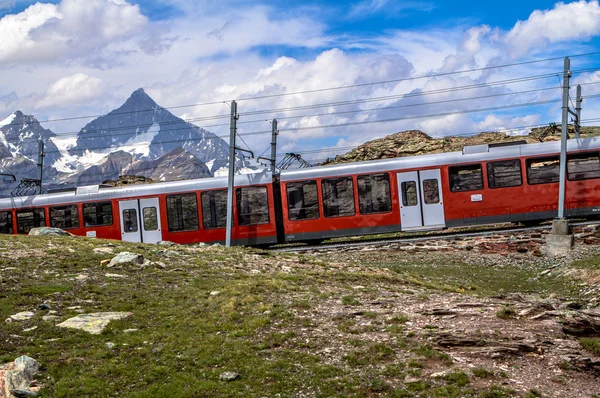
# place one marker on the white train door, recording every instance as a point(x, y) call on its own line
point(140, 220)
point(421, 204)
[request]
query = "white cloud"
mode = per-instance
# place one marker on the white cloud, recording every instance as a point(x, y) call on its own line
point(47, 32)
point(574, 21)
point(7, 4)
point(72, 90)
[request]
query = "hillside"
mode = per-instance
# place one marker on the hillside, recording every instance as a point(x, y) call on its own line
point(415, 142)
point(425, 320)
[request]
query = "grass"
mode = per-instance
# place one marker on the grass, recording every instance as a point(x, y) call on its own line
point(213, 309)
point(591, 345)
point(506, 312)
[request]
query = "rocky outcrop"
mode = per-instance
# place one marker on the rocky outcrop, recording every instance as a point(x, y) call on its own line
point(93, 323)
point(16, 377)
point(415, 142)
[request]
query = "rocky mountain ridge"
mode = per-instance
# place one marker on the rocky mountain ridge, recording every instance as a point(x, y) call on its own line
point(416, 142)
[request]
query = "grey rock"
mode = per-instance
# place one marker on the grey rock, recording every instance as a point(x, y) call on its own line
point(93, 323)
point(23, 393)
point(22, 316)
point(48, 231)
point(126, 258)
point(229, 376)
point(166, 243)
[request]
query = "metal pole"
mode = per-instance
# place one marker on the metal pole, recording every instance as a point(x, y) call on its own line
point(40, 163)
point(274, 133)
point(578, 102)
point(232, 133)
point(563, 139)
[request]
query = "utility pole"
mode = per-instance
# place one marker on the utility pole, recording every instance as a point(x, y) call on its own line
point(560, 241)
point(274, 133)
point(578, 102)
point(232, 134)
point(40, 163)
point(563, 139)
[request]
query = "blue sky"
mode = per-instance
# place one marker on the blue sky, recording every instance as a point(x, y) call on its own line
point(66, 58)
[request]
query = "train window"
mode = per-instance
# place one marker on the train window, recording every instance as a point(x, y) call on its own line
point(504, 174)
point(303, 200)
point(543, 170)
point(150, 218)
point(466, 178)
point(583, 166)
point(28, 219)
point(214, 209)
point(6, 226)
point(338, 197)
point(182, 212)
point(130, 220)
point(252, 205)
point(431, 191)
point(409, 193)
point(374, 193)
point(64, 217)
point(97, 214)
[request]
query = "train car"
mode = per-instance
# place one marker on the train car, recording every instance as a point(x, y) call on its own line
point(183, 211)
point(483, 184)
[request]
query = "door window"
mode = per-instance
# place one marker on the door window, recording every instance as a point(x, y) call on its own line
point(130, 222)
point(150, 219)
point(431, 192)
point(409, 193)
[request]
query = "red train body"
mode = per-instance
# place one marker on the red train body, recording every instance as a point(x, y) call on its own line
point(481, 185)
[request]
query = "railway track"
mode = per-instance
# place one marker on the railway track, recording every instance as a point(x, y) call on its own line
point(443, 235)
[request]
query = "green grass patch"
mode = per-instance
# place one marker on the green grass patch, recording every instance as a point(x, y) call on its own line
point(506, 312)
point(350, 300)
point(591, 345)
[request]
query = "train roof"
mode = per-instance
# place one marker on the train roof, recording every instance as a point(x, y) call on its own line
point(96, 193)
point(476, 153)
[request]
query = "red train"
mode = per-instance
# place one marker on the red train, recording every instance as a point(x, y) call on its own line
point(483, 184)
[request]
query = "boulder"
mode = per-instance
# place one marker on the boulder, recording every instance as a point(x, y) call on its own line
point(93, 323)
point(126, 258)
point(17, 376)
point(48, 231)
point(22, 316)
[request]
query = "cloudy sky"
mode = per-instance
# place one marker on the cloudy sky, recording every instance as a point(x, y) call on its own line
point(72, 58)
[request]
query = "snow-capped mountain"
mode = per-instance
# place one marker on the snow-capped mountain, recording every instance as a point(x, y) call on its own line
point(138, 138)
point(148, 131)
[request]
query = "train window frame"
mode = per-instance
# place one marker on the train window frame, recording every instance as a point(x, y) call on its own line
point(33, 210)
point(328, 206)
point(491, 174)
point(571, 175)
point(239, 196)
point(362, 209)
point(403, 193)
point(8, 228)
point(181, 222)
point(316, 206)
point(154, 213)
point(74, 216)
point(455, 171)
point(542, 159)
point(98, 205)
point(427, 198)
point(209, 195)
point(130, 221)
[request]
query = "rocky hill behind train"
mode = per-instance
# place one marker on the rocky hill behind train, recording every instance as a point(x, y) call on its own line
point(415, 142)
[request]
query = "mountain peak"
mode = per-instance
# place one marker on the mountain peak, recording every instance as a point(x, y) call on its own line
point(140, 100)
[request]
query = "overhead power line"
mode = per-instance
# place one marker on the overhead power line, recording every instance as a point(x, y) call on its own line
point(256, 97)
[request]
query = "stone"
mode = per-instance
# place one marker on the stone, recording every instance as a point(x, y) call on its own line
point(48, 231)
point(115, 276)
point(93, 323)
point(17, 375)
point(215, 292)
point(166, 243)
point(103, 250)
point(23, 393)
point(110, 345)
point(126, 258)
point(557, 245)
point(104, 262)
point(31, 329)
point(22, 316)
point(229, 376)
point(43, 307)
point(49, 318)
point(409, 379)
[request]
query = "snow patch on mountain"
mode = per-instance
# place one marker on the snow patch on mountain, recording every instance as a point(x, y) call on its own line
point(8, 120)
point(140, 144)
